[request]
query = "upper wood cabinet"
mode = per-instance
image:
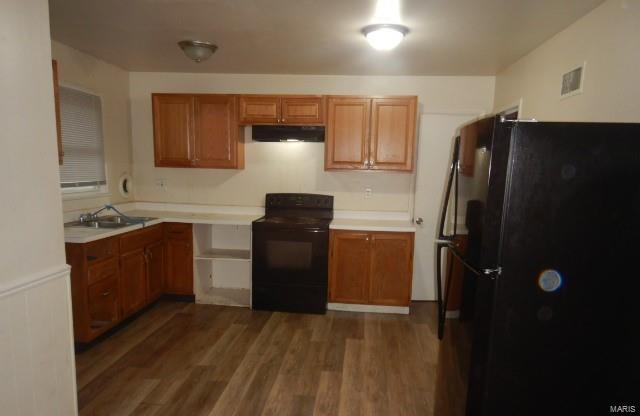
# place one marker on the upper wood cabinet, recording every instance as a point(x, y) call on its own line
point(371, 267)
point(282, 109)
point(472, 137)
point(217, 135)
point(173, 129)
point(56, 100)
point(393, 130)
point(197, 130)
point(370, 133)
point(347, 133)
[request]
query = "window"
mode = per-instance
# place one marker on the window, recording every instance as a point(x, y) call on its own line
point(81, 119)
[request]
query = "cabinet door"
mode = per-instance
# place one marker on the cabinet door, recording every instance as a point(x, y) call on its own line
point(302, 110)
point(179, 259)
point(393, 129)
point(467, 157)
point(473, 137)
point(155, 270)
point(347, 133)
point(56, 100)
point(173, 129)
point(217, 133)
point(391, 268)
point(103, 305)
point(349, 267)
point(133, 281)
point(259, 109)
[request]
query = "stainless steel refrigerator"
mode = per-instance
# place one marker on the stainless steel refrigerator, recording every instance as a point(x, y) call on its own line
point(549, 316)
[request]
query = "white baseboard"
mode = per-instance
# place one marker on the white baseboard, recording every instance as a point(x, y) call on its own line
point(353, 307)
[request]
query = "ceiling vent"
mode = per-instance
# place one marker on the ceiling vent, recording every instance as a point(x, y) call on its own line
point(572, 82)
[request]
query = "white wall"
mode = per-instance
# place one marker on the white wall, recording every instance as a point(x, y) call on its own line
point(36, 354)
point(111, 83)
point(608, 39)
point(288, 167)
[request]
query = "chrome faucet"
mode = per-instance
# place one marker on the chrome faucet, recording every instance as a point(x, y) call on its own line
point(92, 216)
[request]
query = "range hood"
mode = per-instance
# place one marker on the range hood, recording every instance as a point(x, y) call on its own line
point(287, 133)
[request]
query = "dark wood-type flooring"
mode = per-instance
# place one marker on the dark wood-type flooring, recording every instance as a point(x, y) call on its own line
point(187, 359)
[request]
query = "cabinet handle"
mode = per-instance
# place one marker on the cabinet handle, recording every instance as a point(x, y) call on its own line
point(104, 294)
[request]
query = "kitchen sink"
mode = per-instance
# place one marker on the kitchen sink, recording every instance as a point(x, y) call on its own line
point(112, 221)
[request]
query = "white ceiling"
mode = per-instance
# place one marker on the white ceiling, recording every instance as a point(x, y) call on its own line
point(448, 37)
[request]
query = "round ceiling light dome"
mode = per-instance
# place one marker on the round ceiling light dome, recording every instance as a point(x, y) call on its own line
point(197, 50)
point(384, 36)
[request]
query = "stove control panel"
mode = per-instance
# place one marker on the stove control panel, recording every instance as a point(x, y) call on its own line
point(296, 201)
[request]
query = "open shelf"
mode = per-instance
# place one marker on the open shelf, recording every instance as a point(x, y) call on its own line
point(224, 254)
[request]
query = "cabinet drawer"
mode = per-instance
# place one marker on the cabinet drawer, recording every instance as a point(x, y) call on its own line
point(103, 270)
point(140, 238)
point(178, 231)
point(103, 303)
point(99, 250)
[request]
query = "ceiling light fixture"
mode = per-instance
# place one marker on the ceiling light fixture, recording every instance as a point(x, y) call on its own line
point(197, 50)
point(384, 36)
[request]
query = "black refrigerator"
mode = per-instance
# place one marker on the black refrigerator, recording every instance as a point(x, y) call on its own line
point(549, 315)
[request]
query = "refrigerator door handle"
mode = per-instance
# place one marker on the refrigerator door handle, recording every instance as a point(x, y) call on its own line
point(492, 273)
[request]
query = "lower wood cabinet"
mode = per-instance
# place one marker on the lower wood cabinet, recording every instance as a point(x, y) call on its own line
point(133, 282)
point(113, 278)
point(179, 265)
point(155, 270)
point(371, 267)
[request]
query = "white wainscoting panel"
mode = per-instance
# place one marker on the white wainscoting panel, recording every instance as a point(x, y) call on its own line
point(36, 346)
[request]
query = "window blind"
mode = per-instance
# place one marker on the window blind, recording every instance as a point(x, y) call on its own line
point(81, 121)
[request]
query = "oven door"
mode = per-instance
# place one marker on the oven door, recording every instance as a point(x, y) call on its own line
point(290, 256)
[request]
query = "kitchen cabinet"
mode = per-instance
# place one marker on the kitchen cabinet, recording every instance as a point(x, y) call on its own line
point(471, 139)
point(173, 129)
point(133, 281)
point(391, 268)
point(141, 268)
point(197, 131)
point(393, 130)
point(371, 267)
point(282, 109)
point(349, 267)
point(347, 133)
point(95, 287)
point(56, 100)
point(155, 270)
point(368, 133)
point(115, 277)
point(179, 259)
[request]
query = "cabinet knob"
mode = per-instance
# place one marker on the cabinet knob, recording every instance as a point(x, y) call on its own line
point(104, 294)
point(283, 120)
point(419, 220)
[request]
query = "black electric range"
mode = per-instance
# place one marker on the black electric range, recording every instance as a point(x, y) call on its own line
point(291, 253)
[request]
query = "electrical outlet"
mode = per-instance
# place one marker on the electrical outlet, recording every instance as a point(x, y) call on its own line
point(367, 193)
point(162, 184)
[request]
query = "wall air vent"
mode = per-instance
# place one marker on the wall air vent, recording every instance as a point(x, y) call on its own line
point(572, 82)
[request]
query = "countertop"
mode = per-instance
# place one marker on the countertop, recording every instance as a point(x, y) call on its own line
point(85, 235)
point(372, 225)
